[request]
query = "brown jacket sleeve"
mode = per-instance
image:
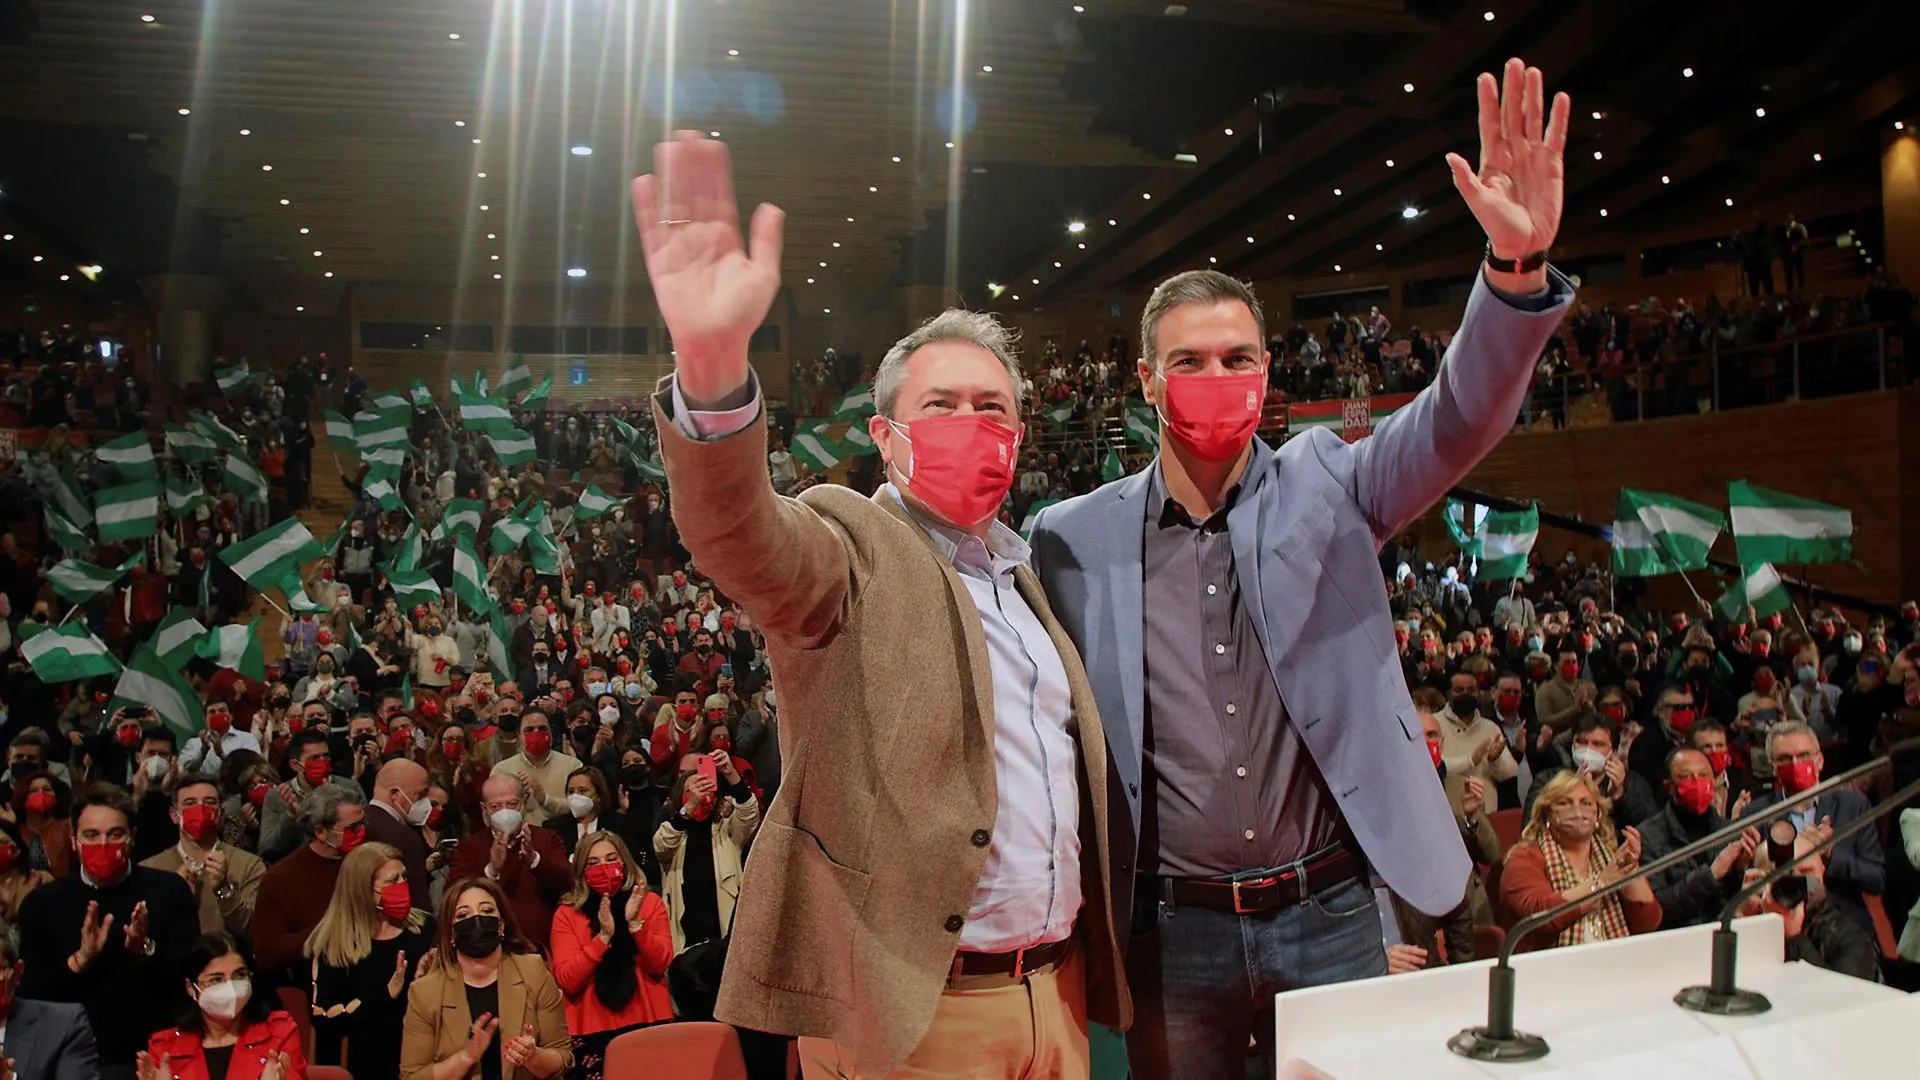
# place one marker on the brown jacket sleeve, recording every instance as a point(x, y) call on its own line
point(548, 1009)
point(420, 1032)
point(1483, 844)
point(778, 559)
point(1525, 890)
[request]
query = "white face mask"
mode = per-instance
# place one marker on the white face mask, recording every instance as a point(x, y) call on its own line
point(505, 822)
point(609, 715)
point(1588, 760)
point(225, 1000)
point(580, 806)
point(421, 809)
point(156, 767)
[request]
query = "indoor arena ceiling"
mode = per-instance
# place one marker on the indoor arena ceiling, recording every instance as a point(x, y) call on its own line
point(278, 142)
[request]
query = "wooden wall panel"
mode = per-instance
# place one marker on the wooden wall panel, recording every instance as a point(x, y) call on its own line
point(1848, 451)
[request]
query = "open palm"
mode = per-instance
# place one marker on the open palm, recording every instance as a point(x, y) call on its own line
point(1519, 191)
point(712, 290)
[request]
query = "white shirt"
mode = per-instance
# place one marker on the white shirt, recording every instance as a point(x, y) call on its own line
point(1029, 891)
point(193, 753)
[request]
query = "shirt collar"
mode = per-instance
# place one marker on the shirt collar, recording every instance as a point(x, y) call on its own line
point(1002, 551)
point(1168, 511)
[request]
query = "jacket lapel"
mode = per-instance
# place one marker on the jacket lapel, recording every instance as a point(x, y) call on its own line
point(1243, 526)
point(455, 1021)
point(1126, 526)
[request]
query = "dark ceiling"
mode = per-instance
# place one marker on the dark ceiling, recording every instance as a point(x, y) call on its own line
point(368, 112)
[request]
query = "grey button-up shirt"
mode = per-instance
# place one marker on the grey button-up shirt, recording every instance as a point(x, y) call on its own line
point(1230, 786)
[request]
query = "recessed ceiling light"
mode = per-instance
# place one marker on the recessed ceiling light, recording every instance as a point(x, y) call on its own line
point(146, 18)
point(491, 236)
point(1598, 115)
point(1760, 112)
point(1111, 221)
point(453, 37)
point(1076, 227)
point(1336, 191)
point(1036, 281)
point(1336, 268)
point(1146, 194)
point(871, 190)
point(495, 258)
point(482, 176)
point(6, 236)
point(1249, 239)
point(949, 146)
point(582, 150)
point(1213, 258)
point(576, 271)
point(1487, 15)
point(184, 111)
point(1290, 217)
point(1408, 87)
point(286, 202)
point(476, 142)
point(896, 159)
point(327, 274)
point(304, 230)
point(300, 307)
point(1078, 9)
point(484, 207)
point(1016, 296)
point(1186, 159)
point(836, 243)
point(317, 254)
point(1389, 163)
point(713, 134)
point(39, 258)
point(1686, 73)
point(1816, 157)
point(266, 168)
point(827, 310)
point(1603, 211)
point(733, 52)
point(849, 221)
point(66, 277)
point(496, 277)
point(823, 265)
point(1229, 131)
point(1056, 264)
point(246, 131)
point(809, 281)
point(459, 123)
point(1379, 247)
point(1666, 179)
point(988, 68)
point(1598, 155)
point(1729, 202)
point(1409, 213)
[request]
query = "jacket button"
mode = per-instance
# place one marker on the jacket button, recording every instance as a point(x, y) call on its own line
point(1133, 790)
point(981, 838)
point(954, 923)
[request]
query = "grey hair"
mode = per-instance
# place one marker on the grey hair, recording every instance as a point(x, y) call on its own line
point(953, 324)
point(9, 945)
point(320, 808)
point(1193, 287)
point(1791, 727)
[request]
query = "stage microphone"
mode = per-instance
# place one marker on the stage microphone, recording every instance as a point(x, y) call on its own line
point(1721, 996)
point(1496, 1040)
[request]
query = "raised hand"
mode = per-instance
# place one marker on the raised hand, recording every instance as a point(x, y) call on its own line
point(634, 896)
point(276, 1066)
point(398, 981)
point(145, 1067)
point(479, 1037)
point(1473, 797)
point(712, 291)
point(1518, 191)
point(519, 1050)
point(93, 935)
point(606, 919)
point(137, 929)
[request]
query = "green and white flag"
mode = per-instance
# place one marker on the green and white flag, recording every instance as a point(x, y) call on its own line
point(78, 581)
point(232, 380)
point(412, 587)
point(298, 601)
point(340, 434)
point(235, 647)
point(388, 427)
point(380, 489)
point(593, 503)
point(1506, 539)
point(1759, 586)
point(148, 681)
point(815, 450)
point(391, 402)
point(516, 376)
point(1033, 514)
point(65, 533)
point(453, 384)
point(857, 441)
point(387, 460)
point(462, 514)
point(1142, 424)
point(266, 558)
point(71, 498)
point(210, 426)
point(650, 468)
point(536, 398)
point(481, 413)
point(188, 445)
point(1775, 527)
point(130, 457)
point(1682, 531)
point(543, 553)
point(410, 550)
point(855, 403)
point(513, 446)
point(507, 535)
point(65, 653)
point(421, 396)
point(245, 479)
point(497, 639)
point(185, 494)
point(1057, 416)
point(127, 512)
point(174, 639)
point(1112, 468)
point(469, 575)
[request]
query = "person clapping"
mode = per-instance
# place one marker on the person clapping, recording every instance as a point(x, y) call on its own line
point(611, 948)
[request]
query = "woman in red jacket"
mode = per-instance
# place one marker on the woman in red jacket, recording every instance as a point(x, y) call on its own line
point(611, 947)
point(233, 1034)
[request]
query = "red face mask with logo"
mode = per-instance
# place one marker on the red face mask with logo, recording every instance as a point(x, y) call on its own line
point(1795, 777)
point(40, 802)
point(396, 900)
point(606, 878)
point(1213, 416)
point(104, 862)
point(317, 770)
point(536, 742)
point(129, 736)
point(219, 722)
point(962, 465)
point(1681, 719)
point(686, 710)
point(1694, 794)
point(1508, 701)
point(1719, 760)
point(257, 793)
point(199, 822)
point(352, 837)
point(1433, 751)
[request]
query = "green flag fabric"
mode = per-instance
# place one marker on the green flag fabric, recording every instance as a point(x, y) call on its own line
point(481, 413)
point(127, 512)
point(245, 479)
point(1775, 527)
point(218, 433)
point(1142, 425)
point(469, 575)
point(65, 653)
point(463, 514)
point(174, 639)
point(1112, 468)
point(855, 403)
point(130, 457)
point(513, 446)
point(815, 450)
point(1033, 515)
point(185, 494)
point(233, 379)
point(77, 581)
point(497, 641)
point(421, 397)
point(536, 398)
point(71, 498)
point(148, 681)
point(1759, 587)
point(857, 441)
point(412, 586)
point(1682, 532)
point(266, 558)
point(340, 434)
point(380, 489)
point(516, 376)
point(65, 533)
point(387, 428)
point(593, 503)
point(1506, 540)
point(189, 446)
point(235, 647)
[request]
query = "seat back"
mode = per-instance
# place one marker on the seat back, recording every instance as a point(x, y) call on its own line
point(327, 1072)
point(1487, 942)
point(688, 1050)
point(1506, 825)
point(294, 1000)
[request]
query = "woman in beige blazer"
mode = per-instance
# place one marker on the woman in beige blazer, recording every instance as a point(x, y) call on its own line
point(491, 994)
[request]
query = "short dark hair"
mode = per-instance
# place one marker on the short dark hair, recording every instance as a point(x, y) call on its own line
point(1429, 699)
point(205, 950)
point(111, 796)
point(1705, 724)
point(188, 780)
point(1507, 673)
point(1590, 723)
point(160, 733)
point(602, 791)
point(1673, 755)
point(511, 940)
point(302, 739)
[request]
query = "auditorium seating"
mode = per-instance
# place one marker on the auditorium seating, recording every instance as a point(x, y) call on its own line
point(693, 1050)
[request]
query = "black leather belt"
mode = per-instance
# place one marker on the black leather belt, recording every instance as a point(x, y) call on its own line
point(1287, 886)
point(1014, 965)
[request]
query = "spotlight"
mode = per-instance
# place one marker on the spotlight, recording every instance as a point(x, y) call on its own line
point(184, 111)
point(576, 272)
point(1408, 213)
point(1076, 227)
point(1760, 112)
point(1408, 87)
point(582, 151)
point(1686, 73)
point(1336, 268)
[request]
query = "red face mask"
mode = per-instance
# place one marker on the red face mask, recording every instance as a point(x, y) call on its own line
point(398, 742)
point(257, 794)
point(716, 714)
point(129, 736)
point(624, 667)
point(199, 822)
point(519, 607)
point(435, 816)
point(1762, 648)
point(104, 862)
point(219, 722)
point(1681, 719)
point(686, 710)
point(396, 900)
point(317, 770)
point(606, 878)
point(324, 637)
point(1433, 751)
point(40, 802)
point(1508, 701)
point(352, 837)
point(1213, 416)
point(1763, 683)
point(1719, 759)
point(9, 855)
point(1399, 637)
point(1570, 672)
point(962, 465)
point(536, 742)
point(589, 589)
point(1797, 777)
point(1695, 793)
point(1615, 712)
point(453, 749)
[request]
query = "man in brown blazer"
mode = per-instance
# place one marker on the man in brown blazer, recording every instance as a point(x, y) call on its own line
point(931, 888)
point(225, 879)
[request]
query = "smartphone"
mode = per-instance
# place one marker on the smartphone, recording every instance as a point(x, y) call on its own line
point(134, 712)
point(708, 771)
point(447, 844)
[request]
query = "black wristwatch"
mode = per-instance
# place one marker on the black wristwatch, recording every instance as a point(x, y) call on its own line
point(1525, 264)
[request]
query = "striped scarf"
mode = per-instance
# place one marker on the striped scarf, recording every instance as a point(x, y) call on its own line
point(1607, 920)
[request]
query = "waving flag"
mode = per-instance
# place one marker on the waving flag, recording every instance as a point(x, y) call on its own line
point(497, 639)
point(593, 503)
point(516, 377)
point(188, 445)
point(148, 681)
point(536, 398)
point(380, 489)
point(130, 457)
point(1678, 533)
point(245, 479)
point(507, 535)
point(389, 427)
point(462, 514)
point(174, 639)
point(469, 575)
point(65, 653)
point(513, 446)
point(235, 647)
point(65, 533)
point(340, 434)
point(210, 426)
point(1112, 468)
point(264, 559)
point(816, 450)
point(1142, 424)
point(857, 441)
point(77, 581)
point(1506, 540)
point(71, 497)
point(855, 403)
point(232, 380)
point(481, 413)
point(185, 494)
point(128, 512)
point(392, 402)
point(412, 587)
point(1775, 527)
point(1033, 515)
point(1759, 587)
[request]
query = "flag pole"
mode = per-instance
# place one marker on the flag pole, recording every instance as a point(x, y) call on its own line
point(275, 605)
point(1690, 588)
point(68, 615)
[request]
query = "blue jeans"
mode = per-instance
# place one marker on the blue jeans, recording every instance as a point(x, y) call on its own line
point(1203, 981)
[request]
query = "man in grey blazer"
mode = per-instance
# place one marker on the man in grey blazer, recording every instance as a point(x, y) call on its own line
point(41, 1040)
point(1229, 606)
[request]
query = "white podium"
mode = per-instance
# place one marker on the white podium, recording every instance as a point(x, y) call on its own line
point(1607, 1012)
